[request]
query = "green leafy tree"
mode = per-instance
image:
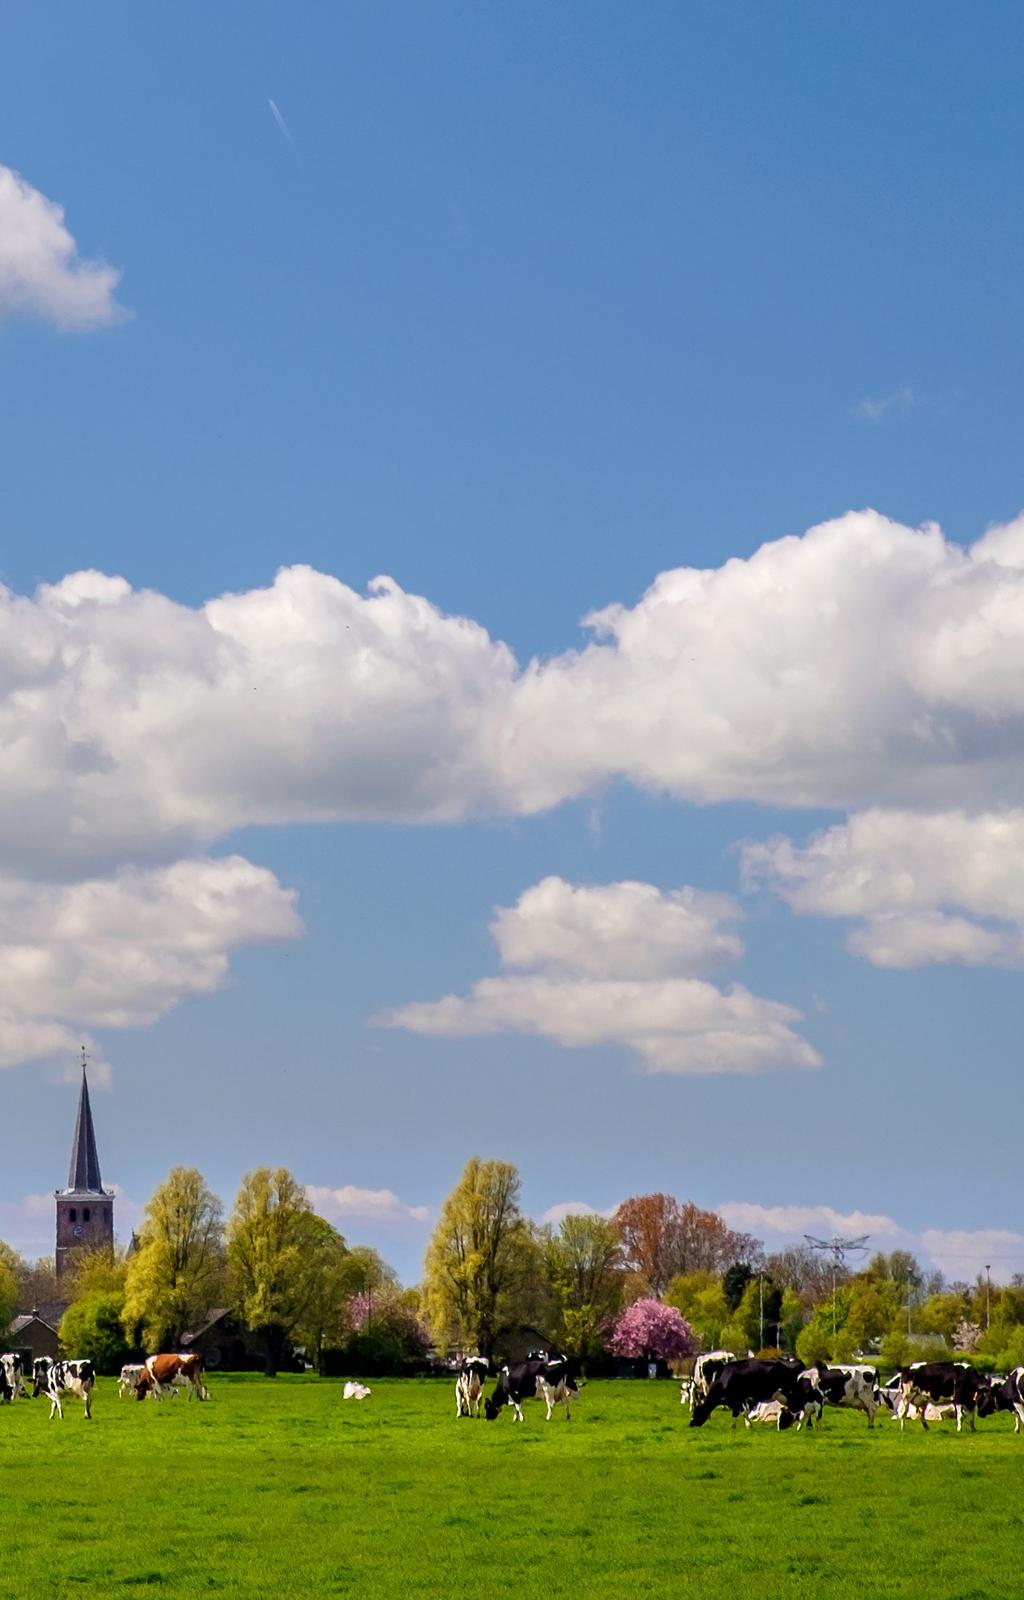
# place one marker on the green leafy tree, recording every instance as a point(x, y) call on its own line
point(335, 1274)
point(91, 1329)
point(177, 1273)
point(8, 1291)
point(583, 1261)
point(480, 1260)
point(735, 1279)
point(271, 1252)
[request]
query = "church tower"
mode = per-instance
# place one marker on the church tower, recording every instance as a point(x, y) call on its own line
point(85, 1210)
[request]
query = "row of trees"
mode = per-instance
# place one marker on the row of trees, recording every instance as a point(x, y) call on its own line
point(494, 1280)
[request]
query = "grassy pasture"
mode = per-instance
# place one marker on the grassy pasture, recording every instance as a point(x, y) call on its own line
point(279, 1488)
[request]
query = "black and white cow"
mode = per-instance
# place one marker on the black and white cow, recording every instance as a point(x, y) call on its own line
point(6, 1392)
point(12, 1373)
point(741, 1385)
point(469, 1386)
point(852, 1386)
point(57, 1378)
point(706, 1369)
point(940, 1382)
point(1005, 1394)
point(686, 1391)
point(551, 1379)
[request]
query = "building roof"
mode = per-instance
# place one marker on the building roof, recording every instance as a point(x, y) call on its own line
point(22, 1322)
point(216, 1315)
point(84, 1171)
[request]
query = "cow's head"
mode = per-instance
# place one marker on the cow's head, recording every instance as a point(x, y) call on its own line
point(143, 1386)
point(492, 1408)
point(40, 1374)
point(702, 1411)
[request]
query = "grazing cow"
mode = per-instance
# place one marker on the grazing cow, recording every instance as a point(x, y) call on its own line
point(12, 1372)
point(940, 1382)
point(355, 1391)
point(741, 1385)
point(706, 1369)
point(56, 1378)
point(1005, 1394)
point(130, 1375)
point(852, 1386)
point(550, 1378)
point(163, 1372)
point(469, 1386)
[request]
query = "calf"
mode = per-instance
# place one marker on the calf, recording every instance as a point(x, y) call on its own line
point(13, 1374)
point(741, 1385)
point(57, 1378)
point(550, 1378)
point(130, 1375)
point(940, 1382)
point(469, 1386)
point(852, 1386)
point(161, 1372)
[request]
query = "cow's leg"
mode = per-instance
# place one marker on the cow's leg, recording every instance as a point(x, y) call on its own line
point(518, 1410)
point(87, 1402)
point(56, 1409)
point(547, 1402)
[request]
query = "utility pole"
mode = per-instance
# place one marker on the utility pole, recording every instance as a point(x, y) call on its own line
point(838, 1249)
point(988, 1296)
point(760, 1305)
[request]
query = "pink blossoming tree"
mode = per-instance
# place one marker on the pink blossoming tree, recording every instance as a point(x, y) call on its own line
point(649, 1331)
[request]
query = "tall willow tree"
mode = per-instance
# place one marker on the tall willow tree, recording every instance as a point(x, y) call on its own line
point(482, 1259)
point(177, 1273)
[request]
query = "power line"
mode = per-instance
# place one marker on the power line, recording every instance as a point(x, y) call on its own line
point(839, 1249)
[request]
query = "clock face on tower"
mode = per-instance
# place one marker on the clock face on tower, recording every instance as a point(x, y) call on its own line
point(77, 1231)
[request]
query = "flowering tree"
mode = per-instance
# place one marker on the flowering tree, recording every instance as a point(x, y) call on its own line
point(650, 1331)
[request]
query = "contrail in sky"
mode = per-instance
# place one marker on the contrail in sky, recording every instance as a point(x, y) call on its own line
point(286, 131)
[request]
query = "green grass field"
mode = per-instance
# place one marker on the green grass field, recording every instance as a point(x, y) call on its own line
point(281, 1488)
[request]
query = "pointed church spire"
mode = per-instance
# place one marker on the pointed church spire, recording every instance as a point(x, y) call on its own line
point(84, 1171)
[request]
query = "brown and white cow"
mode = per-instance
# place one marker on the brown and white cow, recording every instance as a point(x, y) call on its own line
point(164, 1372)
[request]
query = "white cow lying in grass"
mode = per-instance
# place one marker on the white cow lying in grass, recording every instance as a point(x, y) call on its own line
point(355, 1391)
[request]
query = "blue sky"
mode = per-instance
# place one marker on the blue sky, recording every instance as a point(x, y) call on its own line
point(522, 307)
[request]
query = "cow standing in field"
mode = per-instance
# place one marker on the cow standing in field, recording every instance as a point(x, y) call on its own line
point(130, 1375)
point(706, 1369)
point(57, 1378)
point(163, 1373)
point(6, 1392)
point(469, 1386)
point(549, 1378)
point(12, 1373)
point(940, 1382)
point(741, 1385)
point(853, 1386)
point(686, 1391)
point(1005, 1394)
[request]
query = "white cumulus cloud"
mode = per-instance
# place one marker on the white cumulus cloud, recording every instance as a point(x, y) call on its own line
point(579, 940)
point(41, 272)
point(863, 664)
point(363, 1205)
point(944, 887)
point(121, 951)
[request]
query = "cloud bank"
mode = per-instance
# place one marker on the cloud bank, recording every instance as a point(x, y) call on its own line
point(41, 272)
point(865, 666)
point(613, 965)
